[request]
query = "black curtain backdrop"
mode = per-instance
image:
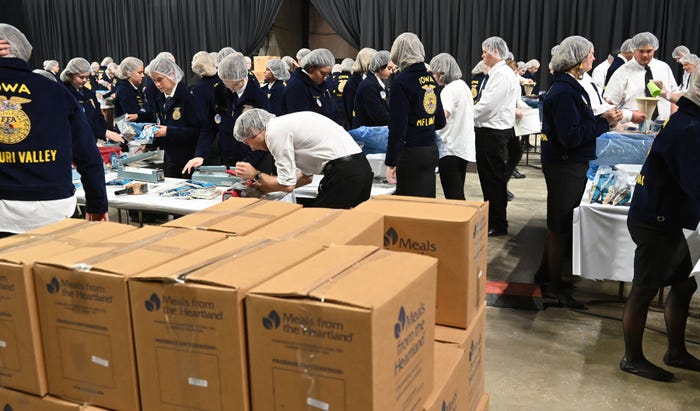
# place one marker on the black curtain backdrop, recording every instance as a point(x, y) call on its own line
point(93, 29)
point(530, 27)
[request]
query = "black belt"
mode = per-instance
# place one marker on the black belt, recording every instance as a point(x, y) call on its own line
point(345, 159)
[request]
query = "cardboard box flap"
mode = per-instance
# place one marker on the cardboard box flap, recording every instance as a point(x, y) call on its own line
point(409, 207)
point(249, 214)
point(301, 279)
point(135, 251)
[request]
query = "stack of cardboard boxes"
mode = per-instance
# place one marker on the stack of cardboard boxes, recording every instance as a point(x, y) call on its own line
point(297, 309)
point(259, 66)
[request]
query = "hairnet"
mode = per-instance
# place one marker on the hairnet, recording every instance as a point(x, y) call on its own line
point(166, 67)
point(128, 66)
point(113, 67)
point(496, 44)
point(318, 58)
point(278, 69)
point(302, 53)
point(233, 68)
point(346, 65)
point(290, 62)
point(572, 50)
point(381, 59)
point(106, 61)
point(510, 56)
point(362, 60)
point(533, 63)
point(44, 73)
point(406, 50)
point(693, 92)
point(75, 66)
point(203, 64)
point(690, 59)
point(19, 45)
point(521, 65)
point(679, 52)
point(49, 64)
point(250, 123)
point(166, 54)
point(645, 39)
point(223, 53)
point(446, 65)
point(554, 50)
point(479, 68)
point(214, 55)
point(627, 46)
point(336, 68)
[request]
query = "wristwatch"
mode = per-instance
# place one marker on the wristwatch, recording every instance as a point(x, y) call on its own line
point(257, 178)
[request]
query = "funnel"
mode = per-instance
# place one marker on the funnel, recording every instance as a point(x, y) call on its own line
point(647, 105)
point(528, 88)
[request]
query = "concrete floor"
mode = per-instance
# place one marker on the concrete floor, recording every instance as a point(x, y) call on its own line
point(560, 359)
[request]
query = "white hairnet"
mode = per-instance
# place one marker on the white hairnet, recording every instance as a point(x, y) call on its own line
point(690, 59)
point(362, 60)
point(627, 46)
point(203, 64)
point(49, 64)
point(336, 68)
point(75, 66)
point(223, 53)
point(128, 66)
point(318, 58)
point(346, 65)
point(44, 73)
point(495, 45)
point(479, 68)
point(554, 50)
point(645, 39)
point(446, 65)
point(680, 51)
point(214, 55)
point(693, 92)
point(290, 62)
point(106, 61)
point(278, 69)
point(521, 65)
point(233, 68)
point(166, 54)
point(510, 56)
point(166, 67)
point(533, 63)
point(381, 59)
point(406, 50)
point(572, 50)
point(302, 53)
point(250, 123)
point(19, 45)
point(112, 68)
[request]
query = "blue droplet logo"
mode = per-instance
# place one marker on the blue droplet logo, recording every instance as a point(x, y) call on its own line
point(53, 286)
point(390, 237)
point(400, 323)
point(272, 320)
point(153, 303)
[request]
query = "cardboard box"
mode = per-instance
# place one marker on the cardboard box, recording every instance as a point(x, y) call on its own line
point(483, 403)
point(235, 216)
point(85, 315)
point(473, 342)
point(451, 370)
point(18, 401)
point(21, 352)
point(348, 329)
point(260, 62)
point(456, 233)
point(327, 226)
point(189, 322)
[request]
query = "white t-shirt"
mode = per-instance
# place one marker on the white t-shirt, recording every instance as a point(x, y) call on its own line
point(20, 216)
point(599, 73)
point(306, 141)
point(458, 134)
point(496, 108)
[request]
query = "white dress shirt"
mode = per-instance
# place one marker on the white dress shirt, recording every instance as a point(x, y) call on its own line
point(496, 108)
point(598, 104)
point(599, 73)
point(457, 136)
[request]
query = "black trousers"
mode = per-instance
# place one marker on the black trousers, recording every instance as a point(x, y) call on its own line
point(346, 182)
point(415, 171)
point(515, 153)
point(491, 159)
point(453, 173)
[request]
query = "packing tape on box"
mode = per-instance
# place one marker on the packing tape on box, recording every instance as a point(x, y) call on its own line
point(222, 215)
point(30, 240)
point(321, 221)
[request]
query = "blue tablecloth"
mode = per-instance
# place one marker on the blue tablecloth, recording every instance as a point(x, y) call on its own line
point(614, 148)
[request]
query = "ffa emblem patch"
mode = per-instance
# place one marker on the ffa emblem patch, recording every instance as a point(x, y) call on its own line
point(429, 99)
point(176, 113)
point(341, 86)
point(217, 118)
point(14, 123)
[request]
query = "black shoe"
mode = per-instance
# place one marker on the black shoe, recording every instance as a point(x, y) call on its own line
point(541, 278)
point(647, 370)
point(510, 196)
point(687, 362)
point(518, 174)
point(497, 233)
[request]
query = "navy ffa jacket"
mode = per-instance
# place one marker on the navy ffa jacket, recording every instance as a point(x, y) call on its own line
point(113, 81)
point(371, 106)
point(203, 92)
point(183, 116)
point(341, 115)
point(228, 106)
point(131, 100)
point(349, 94)
point(302, 94)
point(415, 111)
point(617, 62)
point(87, 99)
point(274, 94)
point(42, 131)
point(568, 125)
point(667, 193)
